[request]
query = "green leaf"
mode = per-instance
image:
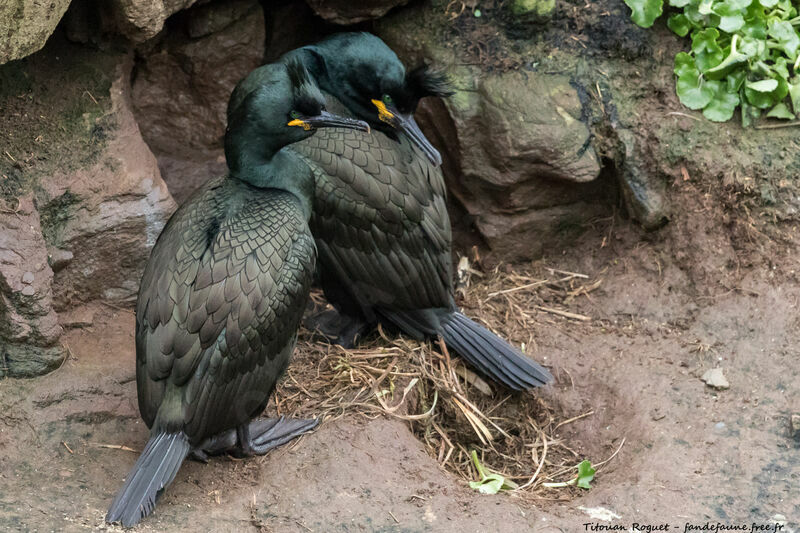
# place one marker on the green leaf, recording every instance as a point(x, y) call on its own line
point(684, 64)
point(759, 99)
point(767, 3)
point(781, 67)
point(749, 113)
point(734, 59)
point(679, 3)
point(788, 41)
point(722, 104)
point(490, 483)
point(708, 54)
point(794, 94)
point(693, 92)
point(679, 23)
point(585, 474)
point(755, 22)
point(645, 12)
point(735, 80)
point(731, 23)
point(781, 110)
point(752, 47)
point(763, 86)
point(737, 4)
point(706, 7)
point(731, 14)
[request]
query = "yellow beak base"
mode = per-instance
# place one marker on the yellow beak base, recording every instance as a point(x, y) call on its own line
point(297, 122)
point(384, 114)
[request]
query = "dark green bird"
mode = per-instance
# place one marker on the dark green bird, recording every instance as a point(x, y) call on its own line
point(224, 290)
point(380, 219)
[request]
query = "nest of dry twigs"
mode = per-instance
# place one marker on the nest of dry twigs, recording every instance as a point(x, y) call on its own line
point(448, 407)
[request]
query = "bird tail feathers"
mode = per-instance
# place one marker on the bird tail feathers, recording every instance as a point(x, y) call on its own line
point(154, 470)
point(491, 355)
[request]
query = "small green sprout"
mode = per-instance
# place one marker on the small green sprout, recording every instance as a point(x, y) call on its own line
point(583, 479)
point(490, 483)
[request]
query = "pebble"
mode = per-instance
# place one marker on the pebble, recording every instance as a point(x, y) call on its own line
point(27, 278)
point(716, 379)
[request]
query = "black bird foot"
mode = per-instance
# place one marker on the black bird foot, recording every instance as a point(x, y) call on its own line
point(337, 328)
point(255, 438)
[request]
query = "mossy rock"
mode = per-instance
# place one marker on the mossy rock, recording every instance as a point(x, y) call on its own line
point(538, 11)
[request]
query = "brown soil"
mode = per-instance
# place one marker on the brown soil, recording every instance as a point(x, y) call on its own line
point(696, 295)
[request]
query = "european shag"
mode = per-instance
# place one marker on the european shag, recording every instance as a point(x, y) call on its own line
point(380, 219)
point(224, 290)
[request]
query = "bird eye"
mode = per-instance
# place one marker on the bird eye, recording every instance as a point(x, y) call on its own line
point(294, 114)
point(387, 99)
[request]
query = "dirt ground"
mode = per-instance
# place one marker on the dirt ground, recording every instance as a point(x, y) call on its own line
point(672, 304)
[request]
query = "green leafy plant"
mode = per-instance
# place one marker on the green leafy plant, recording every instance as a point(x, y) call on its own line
point(490, 482)
point(744, 53)
point(585, 476)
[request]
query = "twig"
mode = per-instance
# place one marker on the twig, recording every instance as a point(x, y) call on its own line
point(541, 463)
point(515, 289)
point(67, 447)
point(566, 273)
point(573, 419)
point(678, 113)
point(566, 314)
point(396, 521)
point(115, 447)
point(92, 97)
point(771, 126)
point(598, 465)
point(299, 523)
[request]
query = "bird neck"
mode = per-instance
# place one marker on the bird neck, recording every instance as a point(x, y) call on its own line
point(284, 171)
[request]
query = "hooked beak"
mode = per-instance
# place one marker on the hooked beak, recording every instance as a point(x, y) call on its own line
point(406, 123)
point(329, 120)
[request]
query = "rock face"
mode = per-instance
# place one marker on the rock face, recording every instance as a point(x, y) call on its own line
point(140, 20)
point(345, 12)
point(29, 327)
point(522, 149)
point(520, 159)
point(104, 218)
point(25, 26)
point(183, 83)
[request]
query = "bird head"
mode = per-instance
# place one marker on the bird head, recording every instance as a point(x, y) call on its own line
point(368, 78)
point(274, 106)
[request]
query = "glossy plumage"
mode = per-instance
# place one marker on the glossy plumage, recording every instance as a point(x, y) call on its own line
point(380, 220)
point(224, 290)
point(219, 305)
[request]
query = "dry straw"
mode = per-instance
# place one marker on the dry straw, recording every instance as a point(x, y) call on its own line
point(448, 407)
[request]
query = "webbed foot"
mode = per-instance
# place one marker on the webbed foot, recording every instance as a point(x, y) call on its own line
point(255, 438)
point(337, 328)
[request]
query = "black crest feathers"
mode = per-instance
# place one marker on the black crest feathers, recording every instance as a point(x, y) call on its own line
point(306, 94)
point(426, 81)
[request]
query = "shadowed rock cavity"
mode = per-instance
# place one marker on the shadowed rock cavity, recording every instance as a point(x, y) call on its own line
point(182, 83)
